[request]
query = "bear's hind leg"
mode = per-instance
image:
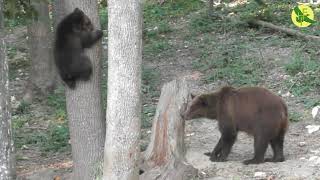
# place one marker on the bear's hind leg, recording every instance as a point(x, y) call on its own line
point(260, 147)
point(70, 82)
point(82, 69)
point(277, 148)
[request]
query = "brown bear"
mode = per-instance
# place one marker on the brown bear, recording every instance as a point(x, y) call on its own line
point(254, 110)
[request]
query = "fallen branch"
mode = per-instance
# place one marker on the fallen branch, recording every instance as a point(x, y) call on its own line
point(288, 31)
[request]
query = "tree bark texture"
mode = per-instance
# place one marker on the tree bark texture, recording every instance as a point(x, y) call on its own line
point(1, 14)
point(210, 7)
point(42, 77)
point(84, 106)
point(7, 160)
point(164, 158)
point(59, 11)
point(124, 84)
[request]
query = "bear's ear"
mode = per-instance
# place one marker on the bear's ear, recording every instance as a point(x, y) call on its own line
point(77, 11)
point(192, 96)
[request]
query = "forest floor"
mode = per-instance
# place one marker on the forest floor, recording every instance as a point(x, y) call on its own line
point(214, 53)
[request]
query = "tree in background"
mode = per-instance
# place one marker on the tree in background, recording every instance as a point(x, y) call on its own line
point(124, 81)
point(7, 160)
point(84, 105)
point(42, 74)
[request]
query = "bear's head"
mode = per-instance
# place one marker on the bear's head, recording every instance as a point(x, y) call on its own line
point(202, 106)
point(81, 22)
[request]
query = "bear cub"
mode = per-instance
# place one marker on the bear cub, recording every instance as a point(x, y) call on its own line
point(74, 33)
point(253, 110)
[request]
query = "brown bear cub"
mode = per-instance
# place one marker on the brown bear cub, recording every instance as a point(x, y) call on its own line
point(74, 33)
point(253, 110)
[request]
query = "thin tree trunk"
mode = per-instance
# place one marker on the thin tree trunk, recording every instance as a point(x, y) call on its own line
point(84, 106)
point(165, 156)
point(1, 14)
point(7, 160)
point(42, 75)
point(210, 7)
point(59, 11)
point(124, 81)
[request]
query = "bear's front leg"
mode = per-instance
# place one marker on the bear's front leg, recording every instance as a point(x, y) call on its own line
point(216, 153)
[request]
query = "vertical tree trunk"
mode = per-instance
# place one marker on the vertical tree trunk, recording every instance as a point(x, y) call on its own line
point(84, 106)
point(124, 81)
point(165, 156)
point(210, 7)
point(7, 160)
point(59, 11)
point(42, 77)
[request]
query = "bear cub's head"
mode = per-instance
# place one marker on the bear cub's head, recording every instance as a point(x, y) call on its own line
point(80, 21)
point(202, 106)
point(82, 25)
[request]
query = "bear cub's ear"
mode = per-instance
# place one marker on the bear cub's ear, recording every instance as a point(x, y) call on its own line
point(78, 11)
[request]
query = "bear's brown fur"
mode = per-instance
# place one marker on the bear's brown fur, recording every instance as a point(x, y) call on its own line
point(253, 110)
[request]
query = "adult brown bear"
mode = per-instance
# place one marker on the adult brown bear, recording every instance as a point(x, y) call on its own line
point(253, 110)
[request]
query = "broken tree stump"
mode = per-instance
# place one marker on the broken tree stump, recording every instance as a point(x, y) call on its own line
point(164, 158)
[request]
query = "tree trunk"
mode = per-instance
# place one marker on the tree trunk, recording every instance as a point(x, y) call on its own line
point(42, 74)
point(7, 160)
point(165, 156)
point(1, 14)
point(124, 84)
point(59, 11)
point(84, 106)
point(210, 7)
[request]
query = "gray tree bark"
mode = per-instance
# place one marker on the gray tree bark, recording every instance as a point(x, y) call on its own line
point(165, 156)
point(59, 11)
point(210, 7)
point(84, 105)
point(42, 77)
point(124, 82)
point(7, 159)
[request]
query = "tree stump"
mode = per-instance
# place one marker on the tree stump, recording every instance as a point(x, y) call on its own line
point(165, 155)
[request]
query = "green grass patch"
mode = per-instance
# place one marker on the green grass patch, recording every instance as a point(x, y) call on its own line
point(294, 116)
point(57, 99)
point(148, 112)
point(157, 17)
point(150, 82)
point(156, 47)
point(23, 108)
point(304, 74)
point(229, 61)
point(57, 138)
point(238, 72)
point(103, 15)
point(54, 139)
point(154, 12)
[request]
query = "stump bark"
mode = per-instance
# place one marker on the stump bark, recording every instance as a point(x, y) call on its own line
point(164, 158)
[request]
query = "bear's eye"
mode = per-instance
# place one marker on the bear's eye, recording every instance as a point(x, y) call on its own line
point(204, 102)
